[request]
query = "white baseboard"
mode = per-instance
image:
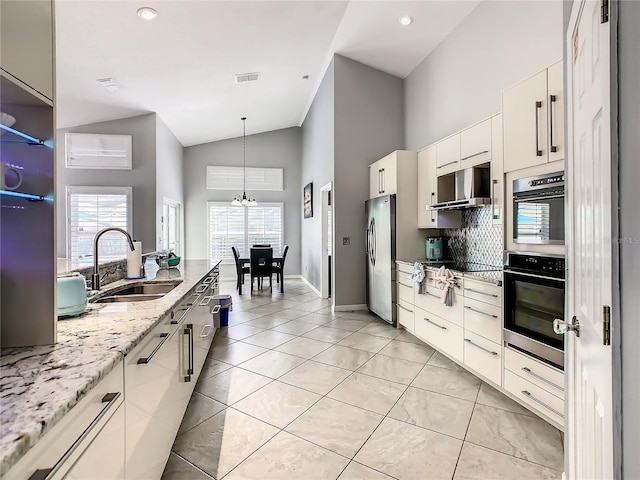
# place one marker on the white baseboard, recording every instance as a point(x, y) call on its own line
point(315, 290)
point(349, 308)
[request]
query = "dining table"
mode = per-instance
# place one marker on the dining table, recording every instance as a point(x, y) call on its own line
point(246, 261)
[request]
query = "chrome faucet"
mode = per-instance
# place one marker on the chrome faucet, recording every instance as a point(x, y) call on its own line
point(95, 278)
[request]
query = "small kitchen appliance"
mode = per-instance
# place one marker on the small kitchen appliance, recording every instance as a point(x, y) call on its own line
point(434, 249)
point(72, 295)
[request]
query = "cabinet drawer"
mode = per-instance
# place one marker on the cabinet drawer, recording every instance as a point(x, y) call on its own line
point(484, 292)
point(483, 319)
point(439, 333)
point(538, 399)
point(430, 302)
point(475, 145)
point(405, 278)
point(538, 373)
point(406, 316)
point(93, 413)
point(404, 268)
point(448, 155)
point(406, 292)
point(483, 356)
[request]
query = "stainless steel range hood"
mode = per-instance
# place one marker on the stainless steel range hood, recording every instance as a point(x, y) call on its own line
point(471, 188)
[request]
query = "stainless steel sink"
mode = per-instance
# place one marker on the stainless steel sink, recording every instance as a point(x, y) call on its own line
point(141, 292)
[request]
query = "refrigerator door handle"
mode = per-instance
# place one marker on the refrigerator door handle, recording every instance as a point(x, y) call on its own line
point(373, 241)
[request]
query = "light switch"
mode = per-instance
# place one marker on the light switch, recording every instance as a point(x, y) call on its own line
point(346, 240)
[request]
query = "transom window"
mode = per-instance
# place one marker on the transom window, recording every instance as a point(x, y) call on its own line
point(242, 227)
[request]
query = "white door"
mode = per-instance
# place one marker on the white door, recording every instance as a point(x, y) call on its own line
point(589, 432)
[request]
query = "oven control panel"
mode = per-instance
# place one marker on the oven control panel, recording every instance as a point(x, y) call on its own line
point(553, 266)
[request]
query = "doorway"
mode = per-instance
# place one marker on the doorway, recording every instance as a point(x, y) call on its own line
point(171, 226)
point(327, 241)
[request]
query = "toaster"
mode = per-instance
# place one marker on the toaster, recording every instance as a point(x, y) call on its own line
point(72, 295)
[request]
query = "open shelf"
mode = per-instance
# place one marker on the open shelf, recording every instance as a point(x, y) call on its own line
point(11, 135)
point(27, 196)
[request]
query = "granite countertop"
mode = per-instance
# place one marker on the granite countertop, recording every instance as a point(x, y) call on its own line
point(492, 276)
point(39, 385)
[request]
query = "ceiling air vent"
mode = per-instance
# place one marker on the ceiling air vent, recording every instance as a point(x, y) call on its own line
point(247, 77)
point(109, 83)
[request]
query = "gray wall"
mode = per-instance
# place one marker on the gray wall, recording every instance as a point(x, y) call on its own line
point(141, 177)
point(499, 44)
point(169, 172)
point(629, 118)
point(279, 148)
point(317, 167)
point(369, 124)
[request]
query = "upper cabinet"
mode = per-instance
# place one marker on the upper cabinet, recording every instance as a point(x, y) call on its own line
point(533, 117)
point(384, 174)
point(428, 193)
point(475, 144)
point(27, 45)
point(448, 155)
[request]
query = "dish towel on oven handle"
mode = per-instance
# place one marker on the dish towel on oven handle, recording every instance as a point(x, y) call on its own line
point(418, 276)
point(445, 281)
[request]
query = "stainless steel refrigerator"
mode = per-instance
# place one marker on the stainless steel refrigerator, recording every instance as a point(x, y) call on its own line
point(381, 257)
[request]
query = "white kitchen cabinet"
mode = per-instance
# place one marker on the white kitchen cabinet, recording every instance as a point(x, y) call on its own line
point(91, 433)
point(483, 356)
point(26, 43)
point(537, 399)
point(428, 194)
point(430, 301)
point(483, 319)
point(389, 172)
point(475, 144)
point(439, 333)
point(497, 171)
point(532, 114)
point(448, 155)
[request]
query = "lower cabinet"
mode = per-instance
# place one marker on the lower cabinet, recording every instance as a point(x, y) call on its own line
point(439, 333)
point(483, 356)
point(88, 442)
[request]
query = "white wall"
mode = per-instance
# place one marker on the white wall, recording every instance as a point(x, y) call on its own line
point(169, 172)
point(317, 167)
point(141, 177)
point(369, 114)
point(279, 148)
point(497, 45)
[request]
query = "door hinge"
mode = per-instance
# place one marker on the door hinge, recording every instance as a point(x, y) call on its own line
point(604, 11)
point(606, 325)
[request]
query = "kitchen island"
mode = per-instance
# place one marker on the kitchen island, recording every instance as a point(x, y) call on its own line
point(41, 384)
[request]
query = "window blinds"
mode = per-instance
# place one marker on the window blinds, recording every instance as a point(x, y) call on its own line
point(258, 178)
point(88, 212)
point(243, 227)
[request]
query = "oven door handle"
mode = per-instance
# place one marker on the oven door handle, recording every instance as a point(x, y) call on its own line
point(537, 198)
point(513, 272)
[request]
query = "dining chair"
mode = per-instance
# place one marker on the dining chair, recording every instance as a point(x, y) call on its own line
point(278, 268)
point(261, 246)
point(261, 266)
point(240, 270)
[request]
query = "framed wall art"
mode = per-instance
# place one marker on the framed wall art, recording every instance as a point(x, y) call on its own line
point(307, 200)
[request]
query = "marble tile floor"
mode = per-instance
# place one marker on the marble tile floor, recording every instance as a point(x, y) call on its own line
point(293, 391)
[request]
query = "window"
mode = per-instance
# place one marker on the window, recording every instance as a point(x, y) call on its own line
point(242, 227)
point(232, 178)
point(171, 225)
point(89, 210)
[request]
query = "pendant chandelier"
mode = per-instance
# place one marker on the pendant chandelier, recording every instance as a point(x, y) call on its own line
point(244, 201)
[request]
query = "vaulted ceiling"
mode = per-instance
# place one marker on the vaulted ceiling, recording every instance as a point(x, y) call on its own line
point(182, 64)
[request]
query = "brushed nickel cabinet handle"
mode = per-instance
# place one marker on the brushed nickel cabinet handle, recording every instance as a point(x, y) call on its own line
point(538, 108)
point(541, 403)
point(145, 360)
point(481, 312)
point(404, 285)
point(481, 293)
point(480, 347)
point(434, 323)
point(552, 102)
point(447, 164)
point(474, 155)
point(541, 378)
point(404, 308)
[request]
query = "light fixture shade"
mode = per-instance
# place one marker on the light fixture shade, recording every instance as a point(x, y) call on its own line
point(252, 201)
point(236, 201)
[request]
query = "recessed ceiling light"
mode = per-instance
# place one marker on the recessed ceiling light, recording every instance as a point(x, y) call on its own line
point(147, 13)
point(305, 77)
point(405, 20)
